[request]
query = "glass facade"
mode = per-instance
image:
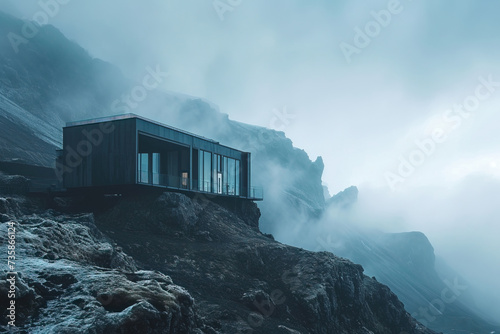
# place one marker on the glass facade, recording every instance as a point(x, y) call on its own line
point(217, 187)
point(147, 174)
point(237, 183)
point(218, 174)
point(207, 167)
point(204, 171)
point(200, 170)
point(185, 180)
point(224, 176)
point(143, 164)
point(231, 176)
point(156, 168)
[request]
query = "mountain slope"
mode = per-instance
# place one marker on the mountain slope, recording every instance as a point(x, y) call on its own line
point(48, 82)
point(79, 272)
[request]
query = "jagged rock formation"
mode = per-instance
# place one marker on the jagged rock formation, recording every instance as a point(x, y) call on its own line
point(106, 272)
point(74, 279)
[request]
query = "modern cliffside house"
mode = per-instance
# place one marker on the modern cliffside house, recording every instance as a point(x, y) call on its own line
point(130, 150)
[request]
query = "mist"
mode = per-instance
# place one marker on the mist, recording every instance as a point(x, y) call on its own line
point(281, 65)
point(460, 221)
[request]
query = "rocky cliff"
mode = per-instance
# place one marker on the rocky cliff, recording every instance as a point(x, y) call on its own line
point(168, 263)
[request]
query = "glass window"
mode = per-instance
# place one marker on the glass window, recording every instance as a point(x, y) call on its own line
point(200, 170)
point(231, 176)
point(143, 162)
point(224, 177)
point(185, 179)
point(156, 168)
point(207, 166)
point(237, 187)
point(214, 173)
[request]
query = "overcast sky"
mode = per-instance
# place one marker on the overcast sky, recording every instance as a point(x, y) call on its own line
point(284, 56)
point(360, 102)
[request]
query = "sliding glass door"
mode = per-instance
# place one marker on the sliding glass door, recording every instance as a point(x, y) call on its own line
point(148, 166)
point(143, 167)
point(237, 178)
point(218, 174)
point(156, 168)
point(204, 171)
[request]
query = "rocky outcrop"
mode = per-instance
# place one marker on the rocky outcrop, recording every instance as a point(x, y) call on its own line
point(74, 279)
point(13, 185)
point(79, 273)
point(107, 272)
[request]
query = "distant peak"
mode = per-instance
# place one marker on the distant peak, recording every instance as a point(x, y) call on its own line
point(345, 198)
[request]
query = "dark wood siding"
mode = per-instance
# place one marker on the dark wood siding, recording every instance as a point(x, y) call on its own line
point(100, 154)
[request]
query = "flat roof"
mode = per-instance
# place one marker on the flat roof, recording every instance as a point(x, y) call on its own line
point(130, 115)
